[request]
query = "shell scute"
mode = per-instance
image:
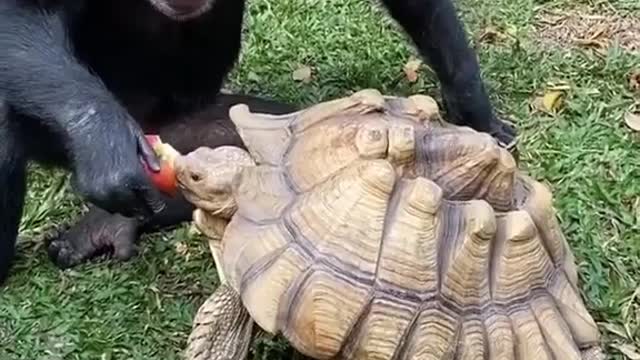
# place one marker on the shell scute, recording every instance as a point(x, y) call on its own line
point(247, 244)
point(322, 151)
point(267, 137)
point(500, 335)
point(382, 332)
point(537, 200)
point(408, 256)
point(467, 166)
point(366, 101)
point(521, 264)
point(435, 334)
point(472, 342)
point(556, 333)
point(343, 218)
point(531, 344)
point(263, 294)
point(262, 193)
point(574, 312)
point(465, 254)
point(322, 310)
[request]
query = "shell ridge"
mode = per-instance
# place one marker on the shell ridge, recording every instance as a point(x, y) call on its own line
point(460, 167)
point(289, 181)
point(407, 337)
point(528, 198)
point(354, 189)
point(530, 339)
point(428, 324)
point(361, 102)
point(501, 338)
point(485, 335)
point(292, 295)
point(320, 321)
point(495, 255)
point(486, 189)
point(327, 260)
point(555, 329)
point(464, 278)
point(453, 345)
point(296, 189)
point(392, 204)
point(354, 332)
point(259, 266)
point(551, 234)
point(289, 307)
point(256, 200)
point(261, 222)
point(576, 315)
point(542, 333)
point(451, 227)
point(472, 344)
point(526, 263)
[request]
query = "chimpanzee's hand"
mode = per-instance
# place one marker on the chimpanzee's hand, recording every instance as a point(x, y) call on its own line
point(108, 158)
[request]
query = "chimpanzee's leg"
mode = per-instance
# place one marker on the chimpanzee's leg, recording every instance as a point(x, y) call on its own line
point(99, 231)
point(12, 188)
point(434, 27)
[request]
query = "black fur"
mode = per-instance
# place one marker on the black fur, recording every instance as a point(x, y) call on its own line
point(82, 80)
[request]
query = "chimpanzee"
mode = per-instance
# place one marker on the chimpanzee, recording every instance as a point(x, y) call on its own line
point(81, 81)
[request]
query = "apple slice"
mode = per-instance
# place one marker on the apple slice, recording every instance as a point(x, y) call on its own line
point(165, 179)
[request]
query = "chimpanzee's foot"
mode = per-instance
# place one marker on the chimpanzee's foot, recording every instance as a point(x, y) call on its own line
point(472, 108)
point(505, 133)
point(98, 232)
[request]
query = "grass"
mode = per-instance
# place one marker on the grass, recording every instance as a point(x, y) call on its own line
point(142, 309)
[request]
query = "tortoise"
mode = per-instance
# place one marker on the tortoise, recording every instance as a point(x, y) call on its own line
point(367, 227)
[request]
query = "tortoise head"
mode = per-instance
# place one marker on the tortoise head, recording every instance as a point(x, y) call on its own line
point(206, 177)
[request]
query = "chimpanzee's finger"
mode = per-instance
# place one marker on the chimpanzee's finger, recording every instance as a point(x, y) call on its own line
point(148, 155)
point(149, 198)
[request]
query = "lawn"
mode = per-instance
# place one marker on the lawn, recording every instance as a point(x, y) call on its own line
point(142, 309)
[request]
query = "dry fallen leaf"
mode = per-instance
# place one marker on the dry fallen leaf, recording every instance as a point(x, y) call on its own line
point(589, 43)
point(630, 351)
point(632, 118)
point(552, 100)
point(411, 69)
point(491, 35)
point(634, 80)
point(303, 73)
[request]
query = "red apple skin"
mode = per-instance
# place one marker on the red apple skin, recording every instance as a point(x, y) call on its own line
point(165, 179)
point(153, 140)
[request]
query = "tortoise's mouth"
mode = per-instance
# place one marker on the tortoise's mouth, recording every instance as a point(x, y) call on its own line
point(182, 10)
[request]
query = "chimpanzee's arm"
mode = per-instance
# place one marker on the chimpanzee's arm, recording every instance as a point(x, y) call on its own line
point(434, 27)
point(42, 81)
point(39, 75)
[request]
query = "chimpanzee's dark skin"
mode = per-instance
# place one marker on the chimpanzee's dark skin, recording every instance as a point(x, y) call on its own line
point(81, 81)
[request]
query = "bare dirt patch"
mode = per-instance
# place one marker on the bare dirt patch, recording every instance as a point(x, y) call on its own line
point(588, 28)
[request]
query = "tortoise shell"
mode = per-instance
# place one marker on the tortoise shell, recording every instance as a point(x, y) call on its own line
point(371, 229)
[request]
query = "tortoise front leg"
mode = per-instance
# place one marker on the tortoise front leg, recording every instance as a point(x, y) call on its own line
point(222, 328)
